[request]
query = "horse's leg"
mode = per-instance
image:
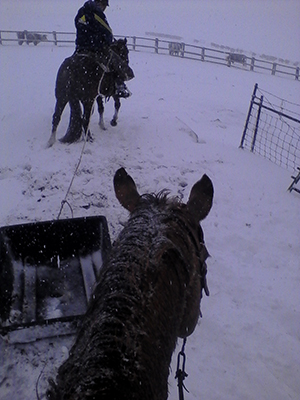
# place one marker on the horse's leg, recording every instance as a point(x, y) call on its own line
point(59, 108)
point(101, 112)
point(74, 130)
point(114, 120)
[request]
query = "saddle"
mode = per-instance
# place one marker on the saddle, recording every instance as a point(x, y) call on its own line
point(101, 59)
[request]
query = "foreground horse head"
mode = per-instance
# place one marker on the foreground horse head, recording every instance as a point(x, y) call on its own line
point(147, 295)
point(81, 79)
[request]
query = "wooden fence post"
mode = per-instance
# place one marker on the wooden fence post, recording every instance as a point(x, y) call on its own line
point(156, 45)
point(274, 68)
point(202, 53)
point(252, 64)
point(0, 38)
point(297, 73)
point(55, 38)
point(134, 43)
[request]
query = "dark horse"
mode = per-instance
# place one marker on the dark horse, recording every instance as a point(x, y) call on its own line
point(147, 295)
point(82, 78)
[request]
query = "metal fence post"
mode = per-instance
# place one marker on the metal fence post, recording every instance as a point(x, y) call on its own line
point(274, 68)
point(248, 116)
point(252, 64)
point(257, 122)
point(297, 73)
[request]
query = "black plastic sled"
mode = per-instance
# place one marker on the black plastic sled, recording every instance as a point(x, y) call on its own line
point(47, 274)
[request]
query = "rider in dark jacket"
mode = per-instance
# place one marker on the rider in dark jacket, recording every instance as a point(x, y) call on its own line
point(93, 34)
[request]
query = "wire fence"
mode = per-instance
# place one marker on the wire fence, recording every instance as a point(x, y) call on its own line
point(159, 46)
point(272, 129)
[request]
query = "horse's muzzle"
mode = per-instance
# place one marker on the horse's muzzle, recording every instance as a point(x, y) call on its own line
point(129, 74)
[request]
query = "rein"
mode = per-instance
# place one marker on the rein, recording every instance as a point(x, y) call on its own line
point(180, 372)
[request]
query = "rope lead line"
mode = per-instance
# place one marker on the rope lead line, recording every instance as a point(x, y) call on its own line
point(64, 201)
point(180, 373)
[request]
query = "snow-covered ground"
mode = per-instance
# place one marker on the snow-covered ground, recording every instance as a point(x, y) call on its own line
point(247, 345)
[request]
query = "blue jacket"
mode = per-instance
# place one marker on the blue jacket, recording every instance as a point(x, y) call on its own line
point(93, 31)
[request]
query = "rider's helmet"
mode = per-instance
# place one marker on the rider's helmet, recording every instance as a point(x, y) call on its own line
point(103, 2)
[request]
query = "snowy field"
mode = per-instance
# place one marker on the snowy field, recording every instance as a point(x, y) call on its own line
point(247, 345)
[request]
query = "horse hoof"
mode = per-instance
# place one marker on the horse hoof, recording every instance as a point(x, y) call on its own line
point(50, 143)
point(102, 126)
point(113, 122)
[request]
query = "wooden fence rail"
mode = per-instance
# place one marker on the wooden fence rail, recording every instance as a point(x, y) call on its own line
point(158, 46)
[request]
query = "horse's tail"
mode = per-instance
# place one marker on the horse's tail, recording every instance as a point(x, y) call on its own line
point(74, 131)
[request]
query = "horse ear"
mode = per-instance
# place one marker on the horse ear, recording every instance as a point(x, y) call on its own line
point(125, 189)
point(201, 198)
